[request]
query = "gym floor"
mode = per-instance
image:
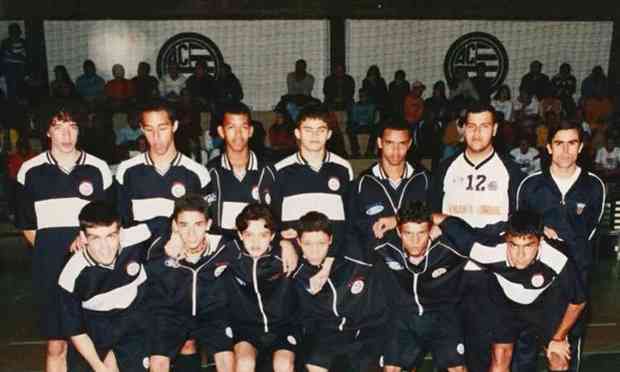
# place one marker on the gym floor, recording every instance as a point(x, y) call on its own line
point(21, 350)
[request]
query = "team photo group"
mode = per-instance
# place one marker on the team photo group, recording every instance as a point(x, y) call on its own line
point(301, 265)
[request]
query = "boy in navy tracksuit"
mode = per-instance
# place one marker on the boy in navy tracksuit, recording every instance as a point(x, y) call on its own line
point(186, 296)
point(347, 316)
point(103, 288)
point(262, 298)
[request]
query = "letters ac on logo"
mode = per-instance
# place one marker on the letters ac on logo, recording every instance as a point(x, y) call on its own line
point(473, 48)
point(186, 49)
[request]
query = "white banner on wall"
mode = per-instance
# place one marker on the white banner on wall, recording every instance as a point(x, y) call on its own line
point(420, 47)
point(261, 53)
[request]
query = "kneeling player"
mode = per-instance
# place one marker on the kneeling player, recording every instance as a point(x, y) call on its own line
point(536, 288)
point(102, 292)
point(262, 298)
point(187, 299)
point(348, 314)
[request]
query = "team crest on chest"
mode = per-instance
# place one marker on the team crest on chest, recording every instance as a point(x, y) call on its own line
point(333, 184)
point(267, 198)
point(86, 188)
point(538, 280)
point(171, 262)
point(178, 189)
point(255, 194)
point(439, 272)
point(133, 268)
point(219, 270)
point(357, 286)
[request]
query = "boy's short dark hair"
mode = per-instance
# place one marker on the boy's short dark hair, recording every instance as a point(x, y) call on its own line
point(525, 222)
point(480, 107)
point(565, 125)
point(98, 214)
point(236, 108)
point(156, 106)
point(64, 114)
point(399, 125)
point(414, 211)
point(313, 111)
point(314, 222)
point(255, 212)
point(191, 203)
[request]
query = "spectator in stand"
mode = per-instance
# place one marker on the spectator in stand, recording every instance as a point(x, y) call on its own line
point(145, 84)
point(607, 159)
point(565, 85)
point(535, 82)
point(119, 91)
point(89, 85)
point(398, 90)
point(462, 89)
point(550, 102)
point(228, 87)
point(505, 137)
point(595, 83)
point(127, 135)
point(361, 119)
point(14, 60)
point(339, 89)
point(502, 102)
point(526, 156)
point(201, 85)
point(525, 105)
point(300, 82)
point(482, 83)
point(187, 136)
point(142, 146)
point(62, 83)
point(14, 162)
point(452, 138)
point(413, 105)
point(376, 88)
point(171, 83)
point(257, 141)
point(438, 103)
point(597, 109)
point(281, 135)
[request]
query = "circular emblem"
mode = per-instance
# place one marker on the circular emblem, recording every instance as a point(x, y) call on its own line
point(171, 262)
point(185, 50)
point(460, 348)
point(333, 184)
point(375, 209)
point(267, 198)
point(394, 265)
point(219, 270)
point(538, 280)
point(439, 272)
point(146, 363)
point(229, 332)
point(357, 287)
point(255, 194)
point(476, 49)
point(86, 188)
point(133, 268)
point(291, 340)
point(178, 189)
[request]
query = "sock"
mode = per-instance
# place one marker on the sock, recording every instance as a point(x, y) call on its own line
point(187, 363)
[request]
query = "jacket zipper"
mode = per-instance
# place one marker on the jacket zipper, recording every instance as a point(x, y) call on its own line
point(258, 295)
point(415, 294)
point(334, 305)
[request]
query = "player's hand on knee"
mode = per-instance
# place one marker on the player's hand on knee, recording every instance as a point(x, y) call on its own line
point(383, 225)
point(174, 246)
point(558, 349)
point(289, 257)
point(551, 233)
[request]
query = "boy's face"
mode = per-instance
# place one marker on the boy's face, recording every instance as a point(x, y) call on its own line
point(236, 131)
point(415, 237)
point(159, 130)
point(313, 134)
point(102, 243)
point(479, 131)
point(63, 136)
point(564, 148)
point(314, 246)
point(522, 250)
point(394, 145)
point(192, 226)
point(256, 238)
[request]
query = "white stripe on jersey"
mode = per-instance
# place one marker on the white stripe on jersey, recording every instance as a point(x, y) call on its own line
point(295, 206)
point(134, 235)
point(106, 174)
point(72, 270)
point(230, 211)
point(60, 212)
point(118, 298)
point(145, 209)
point(518, 293)
point(551, 257)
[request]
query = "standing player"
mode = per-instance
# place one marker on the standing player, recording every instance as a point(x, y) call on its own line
point(262, 299)
point(312, 179)
point(571, 202)
point(52, 189)
point(187, 298)
point(479, 186)
point(377, 195)
point(103, 289)
point(347, 317)
point(238, 175)
point(149, 183)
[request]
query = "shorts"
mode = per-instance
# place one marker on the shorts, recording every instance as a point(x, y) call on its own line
point(168, 333)
point(412, 336)
point(361, 347)
point(131, 355)
point(283, 338)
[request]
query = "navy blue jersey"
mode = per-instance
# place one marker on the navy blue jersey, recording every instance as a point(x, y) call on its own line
point(374, 195)
point(145, 194)
point(299, 189)
point(230, 195)
point(95, 296)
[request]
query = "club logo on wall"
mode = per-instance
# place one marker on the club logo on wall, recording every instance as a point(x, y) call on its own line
point(477, 48)
point(186, 49)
